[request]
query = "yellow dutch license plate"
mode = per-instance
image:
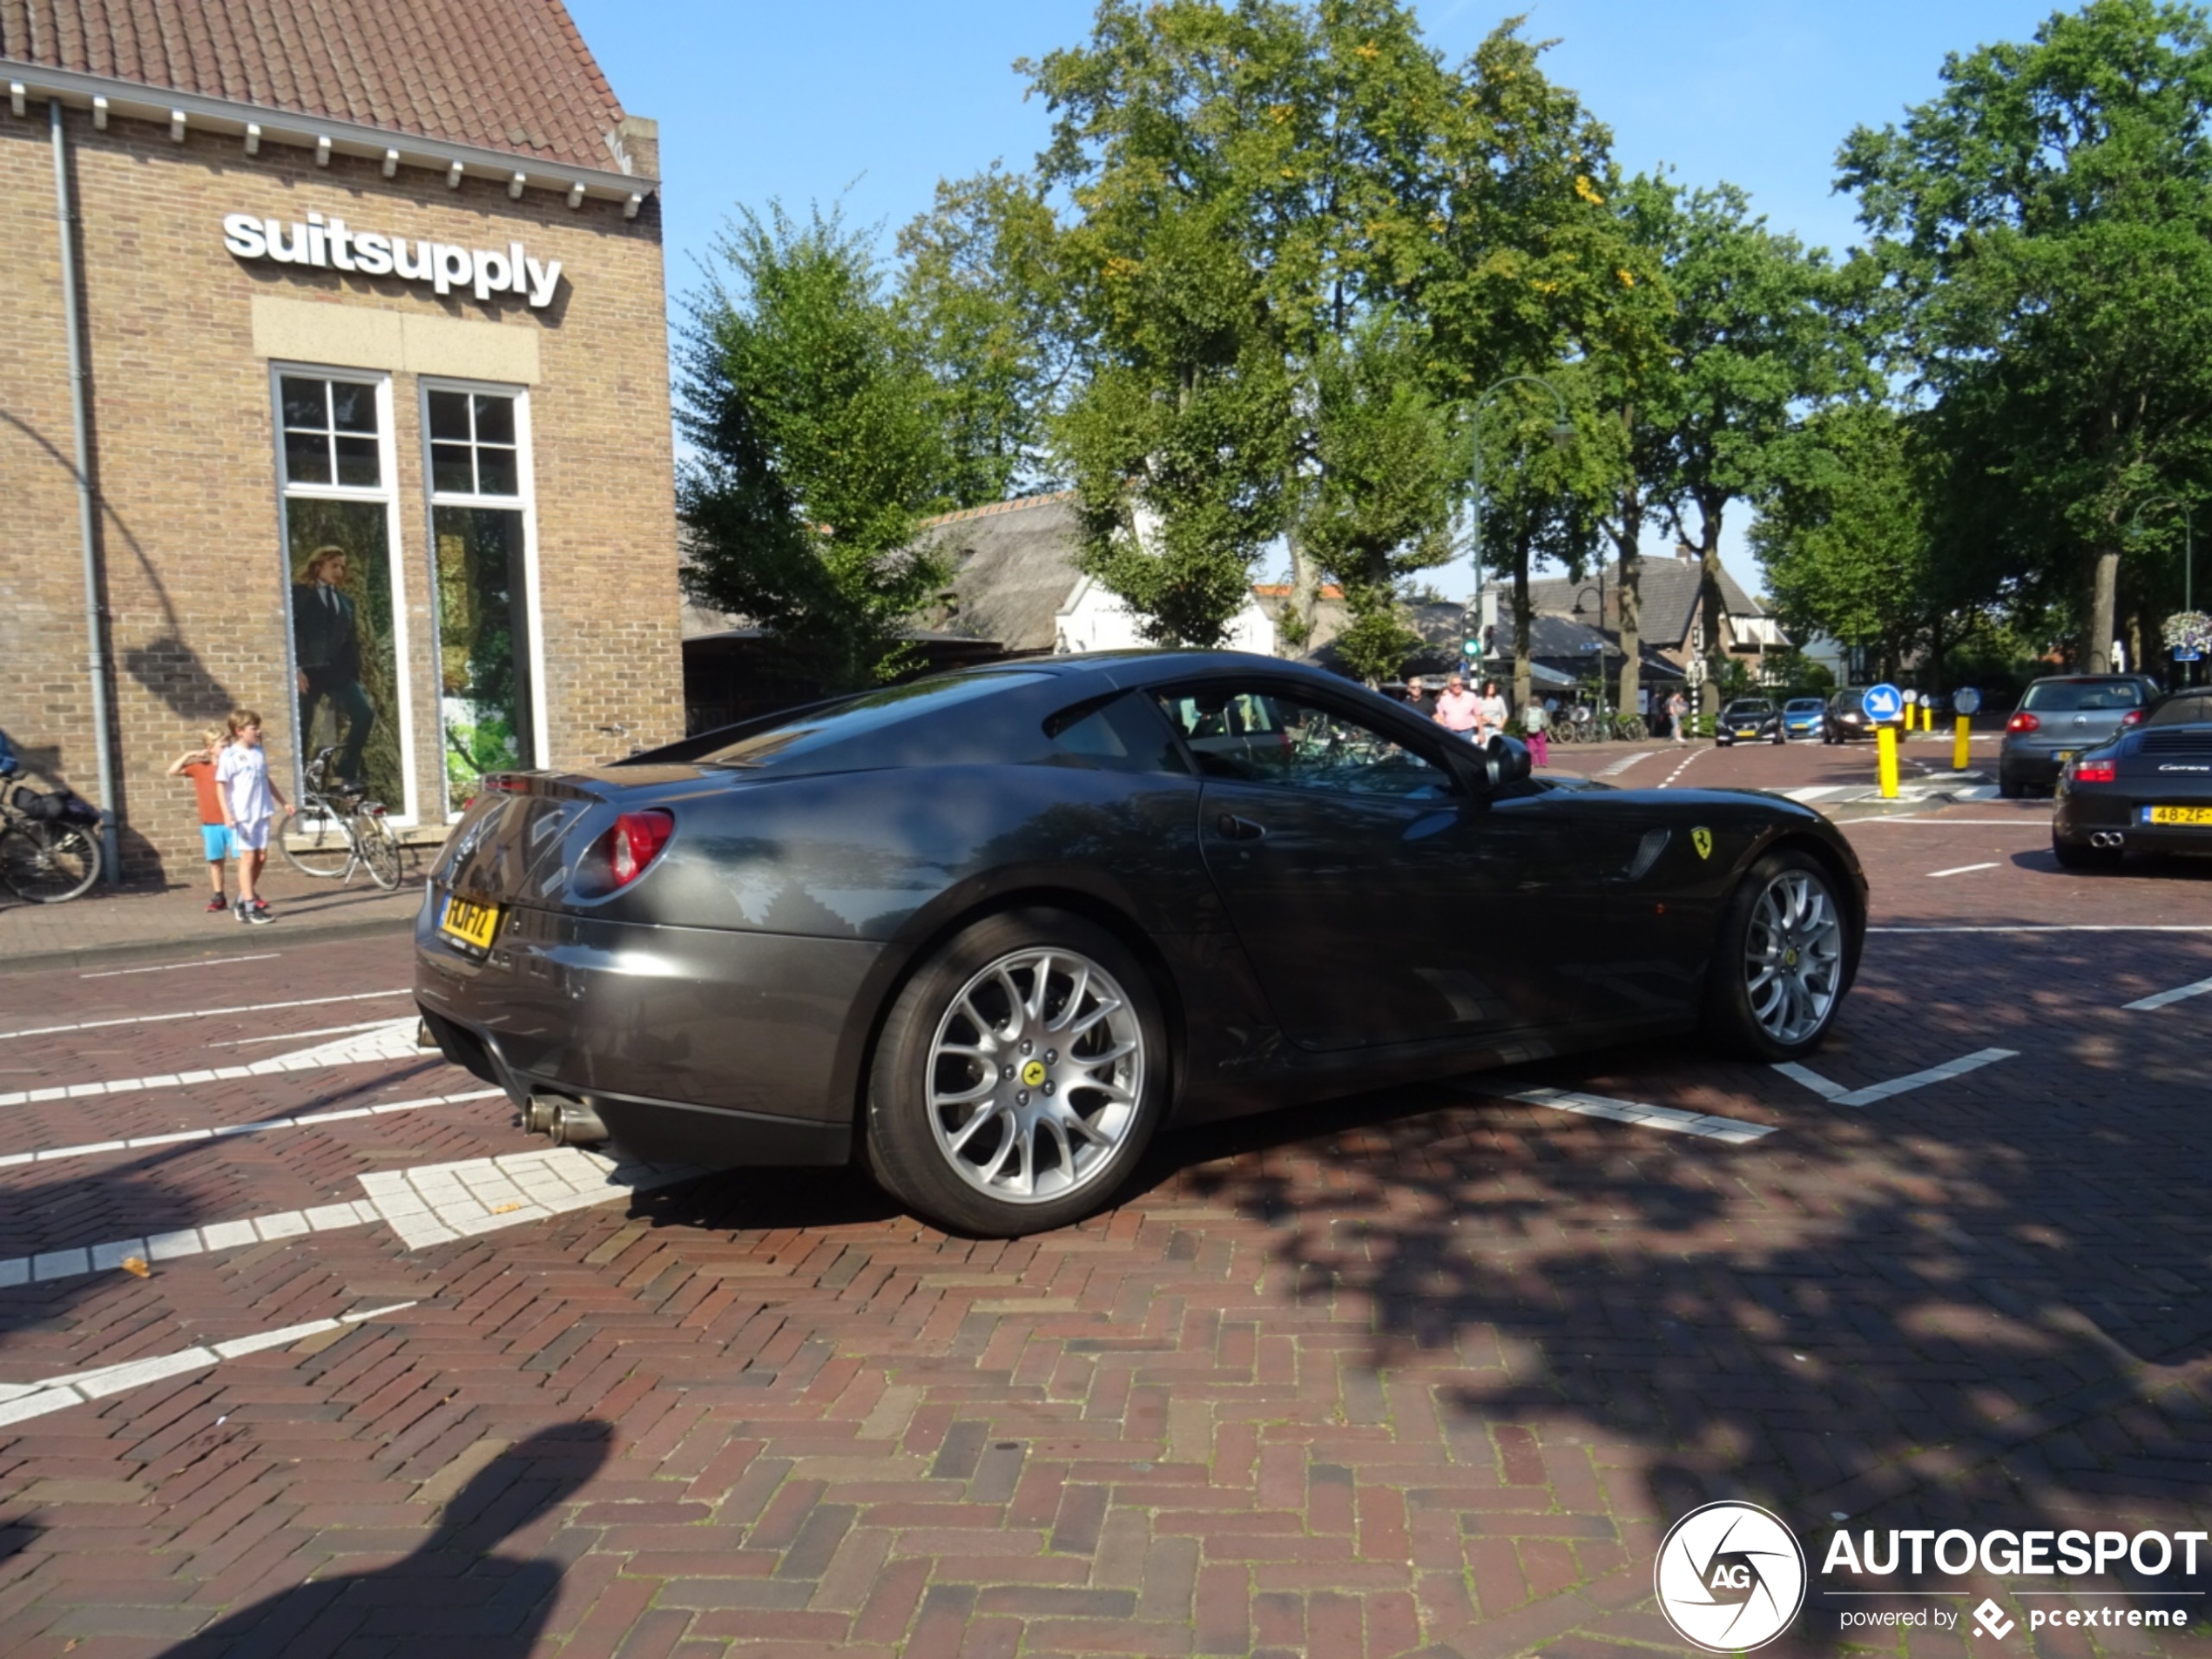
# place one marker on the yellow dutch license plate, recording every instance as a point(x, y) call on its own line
point(471, 923)
point(2180, 814)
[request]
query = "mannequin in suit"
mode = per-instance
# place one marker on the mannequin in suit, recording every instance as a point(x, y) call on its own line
point(326, 644)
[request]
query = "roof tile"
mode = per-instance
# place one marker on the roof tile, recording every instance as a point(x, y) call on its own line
point(510, 75)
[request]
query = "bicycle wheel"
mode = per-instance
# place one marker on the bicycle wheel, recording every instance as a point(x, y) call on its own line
point(379, 850)
point(48, 863)
point(322, 849)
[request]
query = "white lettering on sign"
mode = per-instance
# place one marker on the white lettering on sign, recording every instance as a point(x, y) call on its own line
point(331, 244)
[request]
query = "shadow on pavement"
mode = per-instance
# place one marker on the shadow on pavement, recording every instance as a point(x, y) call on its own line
point(451, 1593)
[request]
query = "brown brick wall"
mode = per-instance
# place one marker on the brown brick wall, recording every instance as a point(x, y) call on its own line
point(184, 460)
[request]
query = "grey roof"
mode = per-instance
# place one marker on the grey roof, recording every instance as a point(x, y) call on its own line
point(1012, 569)
point(1561, 639)
point(1667, 587)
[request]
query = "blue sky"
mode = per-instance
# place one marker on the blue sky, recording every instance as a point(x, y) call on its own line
point(876, 100)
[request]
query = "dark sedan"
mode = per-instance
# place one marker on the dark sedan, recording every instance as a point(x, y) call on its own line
point(987, 932)
point(1748, 719)
point(2148, 790)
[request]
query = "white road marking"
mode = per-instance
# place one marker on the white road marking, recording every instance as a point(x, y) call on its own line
point(22, 1400)
point(388, 1040)
point(1625, 762)
point(299, 1120)
point(1733, 1130)
point(1809, 793)
point(1668, 781)
point(1963, 869)
point(2058, 928)
point(430, 1205)
point(2024, 822)
point(2180, 994)
point(199, 1013)
point(294, 1036)
point(1836, 1093)
point(173, 967)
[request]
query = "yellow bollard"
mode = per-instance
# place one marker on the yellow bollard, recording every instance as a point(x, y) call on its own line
point(1959, 745)
point(1885, 741)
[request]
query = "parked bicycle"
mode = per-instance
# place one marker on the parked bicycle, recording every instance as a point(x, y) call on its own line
point(50, 845)
point(335, 831)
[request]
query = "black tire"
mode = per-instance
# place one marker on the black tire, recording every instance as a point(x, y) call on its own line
point(323, 851)
point(379, 850)
point(2010, 788)
point(958, 1175)
point(49, 863)
point(1759, 1016)
point(2072, 855)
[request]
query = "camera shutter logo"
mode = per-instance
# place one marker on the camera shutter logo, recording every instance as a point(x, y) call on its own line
point(1729, 1577)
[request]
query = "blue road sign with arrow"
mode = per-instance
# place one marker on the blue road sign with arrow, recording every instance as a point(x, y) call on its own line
point(1883, 702)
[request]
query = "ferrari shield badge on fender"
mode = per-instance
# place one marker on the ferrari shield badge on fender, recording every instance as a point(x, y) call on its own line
point(1701, 838)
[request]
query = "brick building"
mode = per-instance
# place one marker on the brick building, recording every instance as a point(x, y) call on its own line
point(376, 277)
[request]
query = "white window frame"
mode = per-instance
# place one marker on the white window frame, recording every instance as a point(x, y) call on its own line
point(524, 501)
point(403, 813)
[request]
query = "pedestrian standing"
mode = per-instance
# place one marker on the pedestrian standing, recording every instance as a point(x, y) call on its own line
point(1456, 708)
point(198, 765)
point(1534, 722)
point(1678, 717)
point(1490, 713)
point(1417, 697)
point(249, 799)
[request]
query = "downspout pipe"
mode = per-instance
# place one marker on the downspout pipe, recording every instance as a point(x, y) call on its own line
point(96, 653)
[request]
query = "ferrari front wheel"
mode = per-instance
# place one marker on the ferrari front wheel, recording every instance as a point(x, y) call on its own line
point(1780, 962)
point(1019, 1075)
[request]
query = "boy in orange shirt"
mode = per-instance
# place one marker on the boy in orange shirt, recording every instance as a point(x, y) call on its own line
point(198, 765)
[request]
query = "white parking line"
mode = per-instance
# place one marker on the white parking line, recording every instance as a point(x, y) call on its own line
point(171, 967)
point(2180, 994)
point(388, 1039)
point(430, 1205)
point(1733, 1130)
point(1963, 869)
point(199, 1013)
point(302, 1120)
point(22, 1400)
point(1836, 1093)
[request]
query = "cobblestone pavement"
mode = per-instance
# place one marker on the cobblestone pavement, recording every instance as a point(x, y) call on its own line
point(304, 1349)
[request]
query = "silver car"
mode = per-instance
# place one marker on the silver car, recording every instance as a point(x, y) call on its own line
point(2058, 717)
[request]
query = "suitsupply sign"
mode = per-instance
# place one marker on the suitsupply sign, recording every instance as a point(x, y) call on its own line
point(331, 245)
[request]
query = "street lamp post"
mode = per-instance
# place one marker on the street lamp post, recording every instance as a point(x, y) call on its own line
point(1562, 432)
point(1602, 648)
point(2188, 544)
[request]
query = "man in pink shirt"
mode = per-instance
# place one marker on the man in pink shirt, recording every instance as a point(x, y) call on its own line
point(1457, 708)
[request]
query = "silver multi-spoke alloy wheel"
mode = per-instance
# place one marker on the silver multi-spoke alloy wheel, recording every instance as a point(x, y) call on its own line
point(1793, 956)
point(1034, 1075)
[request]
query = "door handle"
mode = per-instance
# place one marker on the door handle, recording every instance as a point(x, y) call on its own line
point(1238, 829)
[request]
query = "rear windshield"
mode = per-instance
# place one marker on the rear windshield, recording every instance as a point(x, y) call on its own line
point(2082, 696)
point(809, 729)
point(1802, 705)
point(2182, 710)
point(1751, 705)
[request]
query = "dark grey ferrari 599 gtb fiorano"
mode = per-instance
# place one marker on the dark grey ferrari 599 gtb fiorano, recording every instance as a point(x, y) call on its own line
point(989, 931)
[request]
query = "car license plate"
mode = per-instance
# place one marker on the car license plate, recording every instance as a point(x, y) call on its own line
point(471, 923)
point(2177, 814)
point(2065, 755)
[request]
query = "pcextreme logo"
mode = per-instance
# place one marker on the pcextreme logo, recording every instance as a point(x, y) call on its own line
point(1730, 1577)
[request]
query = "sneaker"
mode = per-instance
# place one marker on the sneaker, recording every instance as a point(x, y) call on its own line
point(261, 917)
point(217, 903)
point(261, 904)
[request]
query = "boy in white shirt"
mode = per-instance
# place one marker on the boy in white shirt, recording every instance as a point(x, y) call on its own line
point(250, 798)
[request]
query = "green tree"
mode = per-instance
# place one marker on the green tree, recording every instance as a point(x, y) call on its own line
point(819, 446)
point(2047, 220)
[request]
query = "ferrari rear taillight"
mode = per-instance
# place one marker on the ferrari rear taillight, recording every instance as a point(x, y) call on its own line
point(2023, 722)
point(2093, 772)
point(635, 842)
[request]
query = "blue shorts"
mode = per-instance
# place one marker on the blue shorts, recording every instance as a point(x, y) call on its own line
point(215, 839)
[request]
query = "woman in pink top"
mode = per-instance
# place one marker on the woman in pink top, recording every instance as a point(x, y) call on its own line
point(1457, 709)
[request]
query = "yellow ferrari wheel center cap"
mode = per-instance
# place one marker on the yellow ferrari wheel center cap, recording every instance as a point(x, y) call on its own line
point(1033, 1074)
point(1789, 957)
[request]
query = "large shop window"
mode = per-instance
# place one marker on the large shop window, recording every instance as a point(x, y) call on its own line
point(480, 531)
point(340, 552)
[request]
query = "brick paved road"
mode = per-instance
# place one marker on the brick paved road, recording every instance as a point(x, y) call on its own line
point(1426, 1371)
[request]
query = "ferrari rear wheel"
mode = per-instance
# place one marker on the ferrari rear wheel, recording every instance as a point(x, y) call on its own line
point(1019, 1076)
point(1779, 967)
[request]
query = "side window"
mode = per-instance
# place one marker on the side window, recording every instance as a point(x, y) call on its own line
point(1265, 737)
point(1120, 735)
